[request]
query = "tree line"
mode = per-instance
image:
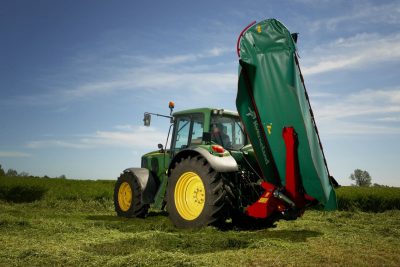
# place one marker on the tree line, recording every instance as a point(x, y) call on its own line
point(14, 173)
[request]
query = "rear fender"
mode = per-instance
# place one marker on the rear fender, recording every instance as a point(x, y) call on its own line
point(147, 183)
point(219, 164)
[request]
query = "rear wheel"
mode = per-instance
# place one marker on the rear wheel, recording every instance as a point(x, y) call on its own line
point(196, 194)
point(128, 197)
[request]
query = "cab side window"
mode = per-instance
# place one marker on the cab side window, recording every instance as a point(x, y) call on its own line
point(182, 133)
point(197, 132)
point(188, 131)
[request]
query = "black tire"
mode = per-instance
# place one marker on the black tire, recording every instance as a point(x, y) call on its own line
point(135, 207)
point(217, 204)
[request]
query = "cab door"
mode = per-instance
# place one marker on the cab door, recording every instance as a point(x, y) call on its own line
point(188, 131)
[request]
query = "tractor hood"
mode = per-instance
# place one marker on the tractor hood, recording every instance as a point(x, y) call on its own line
point(272, 95)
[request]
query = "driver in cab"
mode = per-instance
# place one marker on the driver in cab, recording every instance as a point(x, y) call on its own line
point(219, 136)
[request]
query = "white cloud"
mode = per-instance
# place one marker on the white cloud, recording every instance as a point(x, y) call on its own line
point(57, 143)
point(171, 72)
point(390, 119)
point(358, 13)
point(315, 95)
point(357, 113)
point(160, 80)
point(359, 51)
point(218, 51)
point(124, 127)
point(366, 103)
point(183, 58)
point(13, 154)
point(139, 137)
point(343, 128)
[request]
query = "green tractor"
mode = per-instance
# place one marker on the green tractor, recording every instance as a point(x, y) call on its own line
point(260, 164)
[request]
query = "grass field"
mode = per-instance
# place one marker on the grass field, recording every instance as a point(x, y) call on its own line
point(73, 223)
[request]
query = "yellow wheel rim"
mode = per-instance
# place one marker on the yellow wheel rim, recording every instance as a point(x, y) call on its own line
point(189, 196)
point(124, 196)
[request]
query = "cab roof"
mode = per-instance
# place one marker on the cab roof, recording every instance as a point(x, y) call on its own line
point(205, 110)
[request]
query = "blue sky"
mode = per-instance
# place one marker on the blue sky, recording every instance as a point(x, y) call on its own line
point(76, 77)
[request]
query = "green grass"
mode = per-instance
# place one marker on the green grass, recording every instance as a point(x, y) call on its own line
point(51, 189)
point(88, 233)
point(73, 224)
point(374, 199)
point(26, 189)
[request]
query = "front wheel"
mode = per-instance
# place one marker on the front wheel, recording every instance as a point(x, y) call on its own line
point(196, 194)
point(128, 197)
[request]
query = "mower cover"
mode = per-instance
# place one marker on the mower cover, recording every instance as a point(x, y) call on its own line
point(272, 97)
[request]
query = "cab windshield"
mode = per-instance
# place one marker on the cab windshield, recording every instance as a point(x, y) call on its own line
point(227, 131)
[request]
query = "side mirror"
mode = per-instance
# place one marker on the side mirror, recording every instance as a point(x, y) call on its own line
point(160, 146)
point(147, 119)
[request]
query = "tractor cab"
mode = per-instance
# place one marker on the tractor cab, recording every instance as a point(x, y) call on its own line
point(207, 126)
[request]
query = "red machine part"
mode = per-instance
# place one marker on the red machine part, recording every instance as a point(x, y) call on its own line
point(292, 169)
point(270, 201)
point(266, 204)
